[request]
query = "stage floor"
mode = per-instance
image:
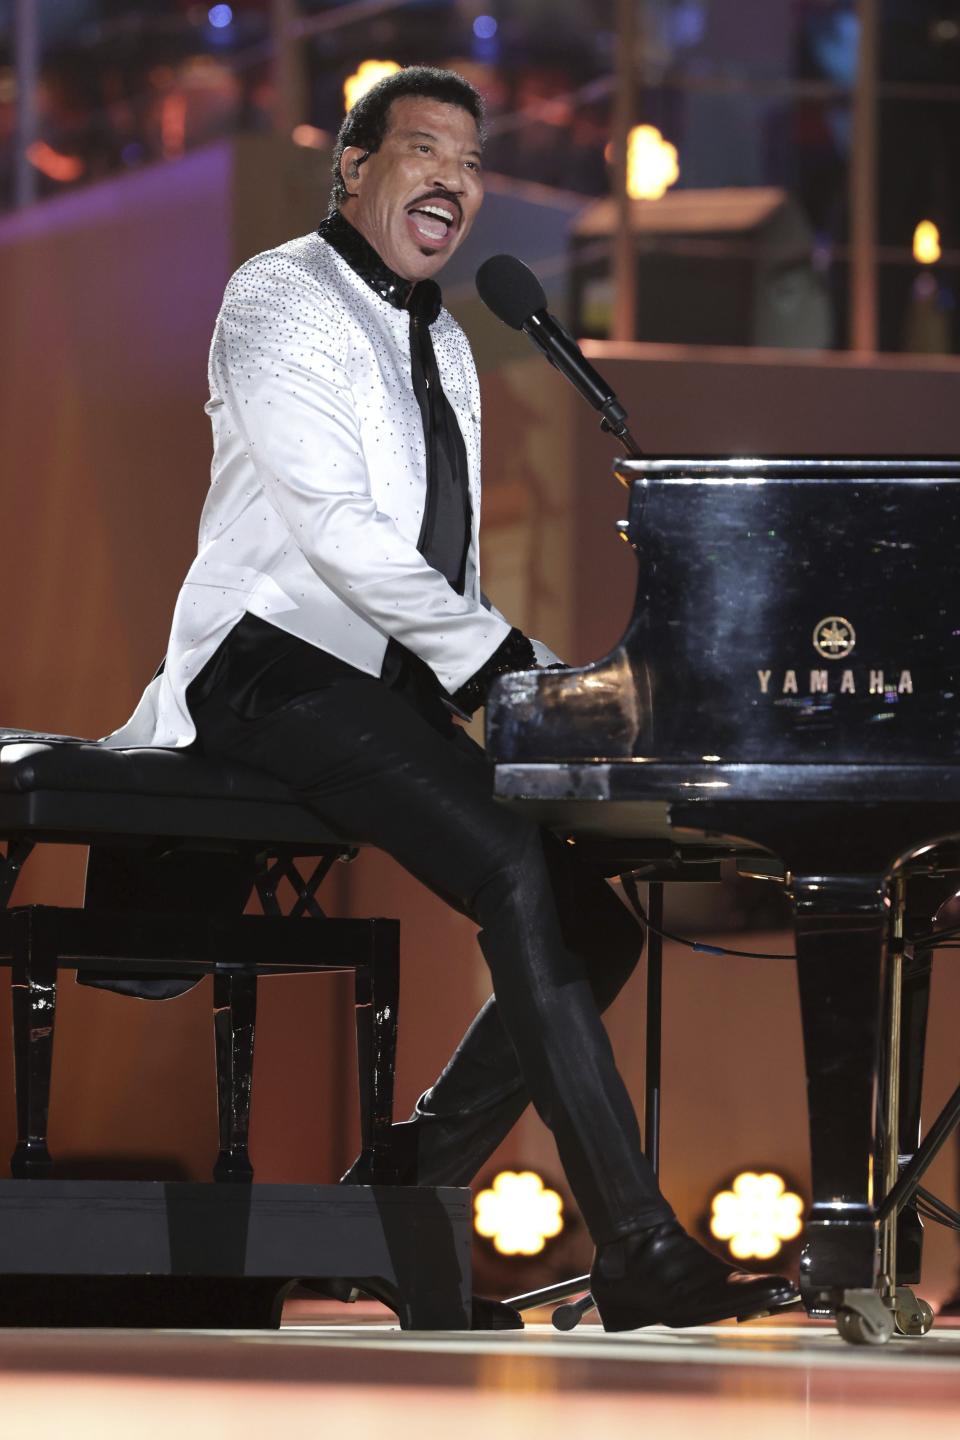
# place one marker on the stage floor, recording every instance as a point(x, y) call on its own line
point(340, 1371)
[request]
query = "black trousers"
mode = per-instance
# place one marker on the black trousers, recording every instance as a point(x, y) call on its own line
point(388, 771)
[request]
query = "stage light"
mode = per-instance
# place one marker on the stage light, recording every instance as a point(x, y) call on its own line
point(62, 168)
point(173, 123)
point(756, 1215)
point(484, 27)
point(926, 243)
point(309, 136)
point(945, 32)
point(652, 163)
point(518, 1213)
point(364, 78)
point(220, 16)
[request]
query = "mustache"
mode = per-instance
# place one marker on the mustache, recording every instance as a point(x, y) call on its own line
point(447, 195)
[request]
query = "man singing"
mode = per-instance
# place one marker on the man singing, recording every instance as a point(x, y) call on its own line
point(333, 619)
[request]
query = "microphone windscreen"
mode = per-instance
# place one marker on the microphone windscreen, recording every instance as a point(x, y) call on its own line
point(508, 288)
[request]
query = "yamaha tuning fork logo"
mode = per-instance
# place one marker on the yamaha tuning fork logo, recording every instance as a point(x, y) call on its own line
point(834, 639)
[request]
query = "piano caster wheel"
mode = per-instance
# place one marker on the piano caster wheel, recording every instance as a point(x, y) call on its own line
point(912, 1315)
point(865, 1322)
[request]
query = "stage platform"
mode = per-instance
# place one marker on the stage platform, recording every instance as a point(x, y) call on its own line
point(348, 1371)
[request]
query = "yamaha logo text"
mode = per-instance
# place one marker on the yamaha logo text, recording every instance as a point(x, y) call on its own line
point(834, 639)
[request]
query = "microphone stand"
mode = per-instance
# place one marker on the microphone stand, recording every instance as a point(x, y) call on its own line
point(618, 427)
point(559, 347)
point(569, 1311)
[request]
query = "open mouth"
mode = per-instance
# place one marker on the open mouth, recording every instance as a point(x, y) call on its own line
point(433, 222)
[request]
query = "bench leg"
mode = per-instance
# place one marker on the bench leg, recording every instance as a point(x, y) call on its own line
point(11, 863)
point(234, 1021)
point(377, 999)
point(34, 990)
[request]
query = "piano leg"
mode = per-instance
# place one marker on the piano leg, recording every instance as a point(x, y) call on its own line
point(653, 1081)
point(856, 982)
point(841, 937)
point(914, 1006)
point(852, 938)
point(924, 896)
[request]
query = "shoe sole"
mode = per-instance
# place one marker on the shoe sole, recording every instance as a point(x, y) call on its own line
point(618, 1321)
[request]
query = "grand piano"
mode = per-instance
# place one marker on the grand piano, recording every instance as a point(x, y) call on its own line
point(786, 692)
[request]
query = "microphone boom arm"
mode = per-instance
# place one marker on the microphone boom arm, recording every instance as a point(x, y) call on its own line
point(563, 352)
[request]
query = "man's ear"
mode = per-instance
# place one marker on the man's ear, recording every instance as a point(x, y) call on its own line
point(350, 163)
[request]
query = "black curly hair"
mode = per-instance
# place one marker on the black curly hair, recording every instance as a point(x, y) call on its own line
point(365, 124)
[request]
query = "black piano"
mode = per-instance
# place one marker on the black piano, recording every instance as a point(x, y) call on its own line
point(787, 689)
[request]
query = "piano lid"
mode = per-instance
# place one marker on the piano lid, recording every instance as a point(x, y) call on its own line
point(788, 611)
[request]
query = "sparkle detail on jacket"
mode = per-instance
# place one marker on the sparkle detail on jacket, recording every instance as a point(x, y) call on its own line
point(318, 485)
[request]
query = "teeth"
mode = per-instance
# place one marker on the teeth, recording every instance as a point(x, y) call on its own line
point(436, 210)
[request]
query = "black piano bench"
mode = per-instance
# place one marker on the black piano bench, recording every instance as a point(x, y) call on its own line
point(177, 846)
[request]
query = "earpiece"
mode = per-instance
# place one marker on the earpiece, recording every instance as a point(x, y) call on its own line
point(353, 170)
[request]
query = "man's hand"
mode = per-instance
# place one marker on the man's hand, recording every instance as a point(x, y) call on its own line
point(515, 653)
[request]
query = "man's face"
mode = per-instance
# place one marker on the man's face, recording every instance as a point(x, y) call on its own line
point(416, 197)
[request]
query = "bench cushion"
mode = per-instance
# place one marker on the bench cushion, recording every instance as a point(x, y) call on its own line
point(60, 762)
point(62, 784)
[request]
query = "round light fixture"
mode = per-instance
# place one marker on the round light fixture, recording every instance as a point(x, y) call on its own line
point(518, 1213)
point(366, 75)
point(652, 163)
point(756, 1216)
point(926, 243)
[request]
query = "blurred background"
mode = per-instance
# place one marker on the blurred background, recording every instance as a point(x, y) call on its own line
point(762, 96)
point(750, 212)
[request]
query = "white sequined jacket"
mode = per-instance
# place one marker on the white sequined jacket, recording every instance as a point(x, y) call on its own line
point(318, 485)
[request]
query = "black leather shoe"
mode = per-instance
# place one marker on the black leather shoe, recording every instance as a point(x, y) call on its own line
point(662, 1276)
point(485, 1314)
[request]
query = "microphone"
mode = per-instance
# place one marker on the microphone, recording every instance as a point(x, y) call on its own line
point(514, 294)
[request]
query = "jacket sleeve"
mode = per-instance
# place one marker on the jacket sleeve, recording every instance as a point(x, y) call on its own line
point(544, 655)
point(281, 360)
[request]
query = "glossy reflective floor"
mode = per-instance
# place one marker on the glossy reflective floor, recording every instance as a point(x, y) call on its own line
point(336, 1372)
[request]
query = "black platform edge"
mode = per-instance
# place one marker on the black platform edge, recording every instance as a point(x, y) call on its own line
point(145, 1253)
